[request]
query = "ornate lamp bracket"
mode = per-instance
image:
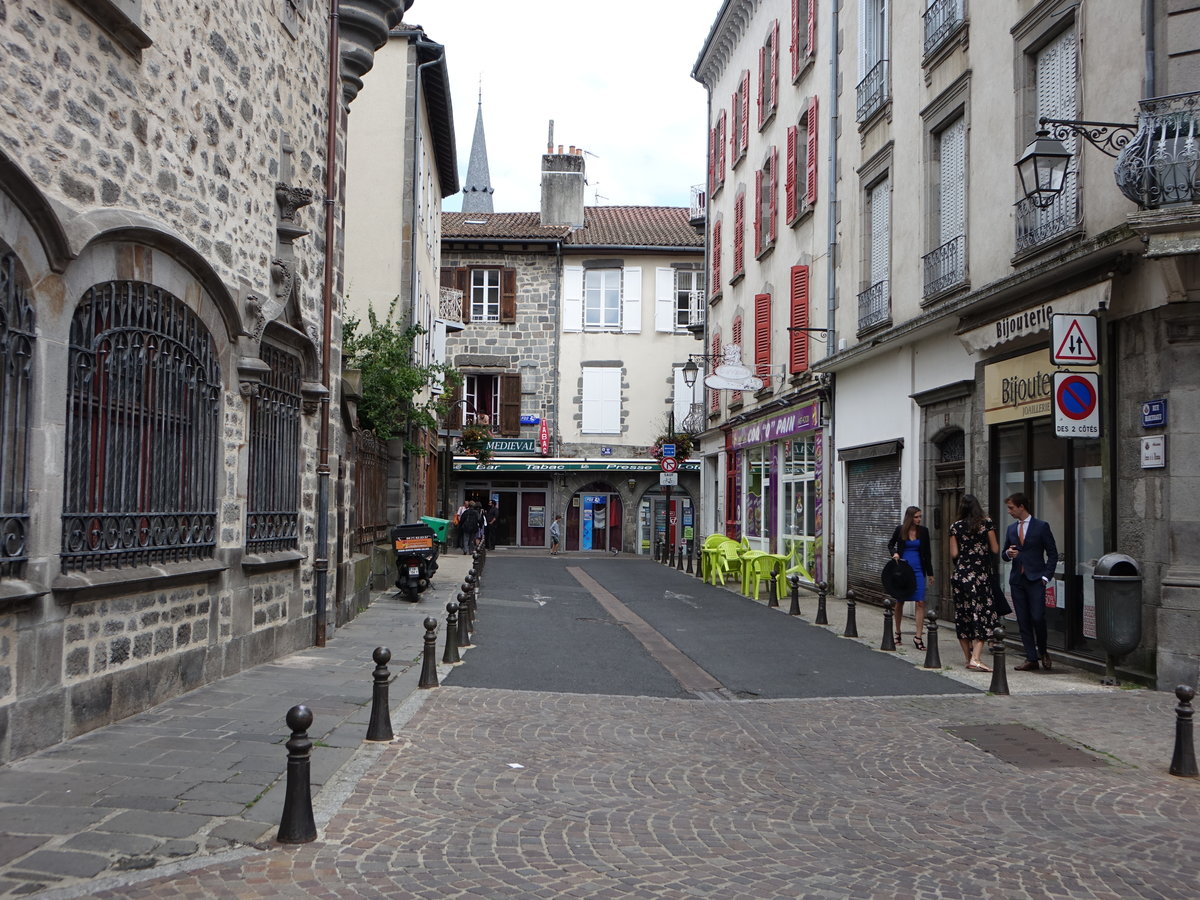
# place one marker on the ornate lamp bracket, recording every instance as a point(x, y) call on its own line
point(1109, 138)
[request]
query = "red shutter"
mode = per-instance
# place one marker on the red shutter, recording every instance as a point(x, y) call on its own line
point(773, 200)
point(712, 160)
point(733, 503)
point(736, 396)
point(745, 135)
point(714, 397)
point(795, 45)
point(758, 189)
point(762, 85)
point(810, 168)
point(812, 27)
point(762, 335)
point(774, 47)
point(716, 257)
point(735, 107)
point(739, 232)
point(508, 295)
point(789, 174)
point(798, 356)
point(721, 148)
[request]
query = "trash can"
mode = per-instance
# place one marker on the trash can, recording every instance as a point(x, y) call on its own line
point(439, 526)
point(1118, 585)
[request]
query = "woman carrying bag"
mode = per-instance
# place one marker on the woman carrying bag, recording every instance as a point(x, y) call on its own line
point(910, 542)
point(973, 547)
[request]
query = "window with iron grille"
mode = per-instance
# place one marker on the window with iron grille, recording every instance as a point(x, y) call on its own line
point(16, 359)
point(273, 504)
point(143, 431)
point(689, 297)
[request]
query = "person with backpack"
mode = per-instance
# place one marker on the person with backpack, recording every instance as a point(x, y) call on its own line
point(468, 527)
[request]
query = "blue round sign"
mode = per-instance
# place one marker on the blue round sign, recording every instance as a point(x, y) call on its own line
point(1076, 397)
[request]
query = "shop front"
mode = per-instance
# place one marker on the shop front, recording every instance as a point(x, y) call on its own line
point(775, 486)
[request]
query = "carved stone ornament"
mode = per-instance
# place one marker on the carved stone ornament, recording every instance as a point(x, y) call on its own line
point(291, 199)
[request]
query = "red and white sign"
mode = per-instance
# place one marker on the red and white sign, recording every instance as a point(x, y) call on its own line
point(1076, 404)
point(1074, 340)
point(669, 464)
point(544, 438)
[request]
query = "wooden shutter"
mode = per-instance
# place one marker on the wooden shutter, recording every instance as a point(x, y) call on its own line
point(795, 42)
point(631, 300)
point(744, 139)
point(762, 334)
point(763, 87)
point(736, 396)
point(508, 295)
point(716, 256)
point(739, 232)
point(789, 175)
point(798, 343)
point(454, 414)
point(721, 148)
point(773, 197)
point(462, 282)
point(735, 136)
point(810, 165)
point(773, 49)
point(758, 216)
point(712, 160)
point(510, 405)
point(812, 29)
point(664, 299)
point(714, 397)
point(572, 298)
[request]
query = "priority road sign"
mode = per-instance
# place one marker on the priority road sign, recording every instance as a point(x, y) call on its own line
point(669, 464)
point(1076, 404)
point(1073, 340)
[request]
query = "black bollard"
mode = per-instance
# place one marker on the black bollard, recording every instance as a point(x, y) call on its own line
point(999, 683)
point(380, 726)
point(450, 656)
point(429, 676)
point(889, 640)
point(671, 556)
point(794, 587)
point(679, 559)
point(822, 590)
point(933, 659)
point(297, 825)
point(691, 545)
point(851, 616)
point(464, 623)
point(1183, 762)
point(470, 590)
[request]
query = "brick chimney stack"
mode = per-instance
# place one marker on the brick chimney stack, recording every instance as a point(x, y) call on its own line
point(563, 184)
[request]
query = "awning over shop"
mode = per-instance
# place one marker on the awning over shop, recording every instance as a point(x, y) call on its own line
point(566, 464)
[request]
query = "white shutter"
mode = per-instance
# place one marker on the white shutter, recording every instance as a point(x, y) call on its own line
point(1056, 99)
point(864, 39)
point(952, 212)
point(631, 300)
point(572, 298)
point(683, 398)
point(880, 231)
point(601, 401)
point(611, 402)
point(664, 299)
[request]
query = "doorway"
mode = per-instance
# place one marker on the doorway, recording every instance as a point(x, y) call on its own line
point(595, 519)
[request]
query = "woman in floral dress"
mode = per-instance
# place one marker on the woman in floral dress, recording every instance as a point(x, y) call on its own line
point(973, 547)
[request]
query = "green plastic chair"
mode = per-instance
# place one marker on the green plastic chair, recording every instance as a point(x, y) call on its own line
point(764, 567)
point(793, 566)
point(727, 561)
point(708, 554)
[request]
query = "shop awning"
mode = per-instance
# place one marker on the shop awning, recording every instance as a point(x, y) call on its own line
point(566, 464)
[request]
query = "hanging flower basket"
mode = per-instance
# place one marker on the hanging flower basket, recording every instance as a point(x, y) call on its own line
point(682, 441)
point(474, 442)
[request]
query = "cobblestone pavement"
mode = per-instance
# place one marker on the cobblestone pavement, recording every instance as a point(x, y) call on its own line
point(503, 793)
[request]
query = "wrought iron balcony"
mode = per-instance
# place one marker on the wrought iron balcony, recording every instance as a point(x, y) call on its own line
point(1037, 224)
point(450, 305)
point(1161, 165)
point(942, 17)
point(946, 266)
point(874, 306)
point(873, 91)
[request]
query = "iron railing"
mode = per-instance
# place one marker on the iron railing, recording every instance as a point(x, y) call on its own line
point(692, 315)
point(1161, 165)
point(273, 504)
point(143, 431)
point(698, 208)
point(1035, 224)
point(941, 19)
point(874, 305)
point(369, 507)
point(946, 266)
point(16, 363)
point(873, 90)
point(450, 305)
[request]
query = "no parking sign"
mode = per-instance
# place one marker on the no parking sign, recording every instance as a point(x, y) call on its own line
point(1076, 404)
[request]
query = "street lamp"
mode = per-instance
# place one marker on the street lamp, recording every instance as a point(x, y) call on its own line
point(1043, 165)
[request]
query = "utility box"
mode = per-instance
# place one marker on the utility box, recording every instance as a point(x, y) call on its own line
point(439, 527)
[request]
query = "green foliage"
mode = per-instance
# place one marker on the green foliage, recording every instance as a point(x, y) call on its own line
point(392, 384)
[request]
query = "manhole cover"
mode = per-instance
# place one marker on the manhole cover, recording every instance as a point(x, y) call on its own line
point(1025, 747)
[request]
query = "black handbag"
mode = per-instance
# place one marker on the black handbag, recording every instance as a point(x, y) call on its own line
point(999, 601)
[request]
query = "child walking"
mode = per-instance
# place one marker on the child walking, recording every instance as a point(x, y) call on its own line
point(555, 535)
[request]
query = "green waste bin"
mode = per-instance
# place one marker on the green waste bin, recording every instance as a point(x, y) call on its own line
point(439, 526)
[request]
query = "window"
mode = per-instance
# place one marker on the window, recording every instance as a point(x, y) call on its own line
point(143, 425)
point(873, 89)
point(602, 298)
point(1055, 86)
point(768, 75)
point(762, 335)
point(601, 404)
point(942, 18)
point(716, 257)
point(945, 266)
point(739, 237)
point(739, 138)
point(800, 178)
point(16, 367)
point(804, 34)
point(494, 396)
point(716, 154)
point(735, 397)
point(689, 297)
point(800, 500)
point(714, 397)
point(273, 504)
point(482, 393)
point(873, 306)
point(798, 340)
point(485, 295)
point(765, 195)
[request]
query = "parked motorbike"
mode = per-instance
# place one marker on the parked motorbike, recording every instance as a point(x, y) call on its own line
point(416, 559)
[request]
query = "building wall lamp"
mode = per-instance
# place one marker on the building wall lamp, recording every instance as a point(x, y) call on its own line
point(824, 332)
point(1043, 166)
point(691, 370)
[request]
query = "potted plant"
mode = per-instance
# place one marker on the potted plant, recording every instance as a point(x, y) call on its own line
point(474, 441)
point(682, 441)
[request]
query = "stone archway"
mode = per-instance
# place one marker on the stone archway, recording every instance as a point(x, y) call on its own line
point(596, 518)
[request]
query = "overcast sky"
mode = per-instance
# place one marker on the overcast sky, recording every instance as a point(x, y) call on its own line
point(614, 77)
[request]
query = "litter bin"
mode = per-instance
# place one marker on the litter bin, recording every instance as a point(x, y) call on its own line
point(439, 526)
point(1117, 579)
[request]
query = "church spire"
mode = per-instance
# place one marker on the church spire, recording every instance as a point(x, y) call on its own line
point(477, 189)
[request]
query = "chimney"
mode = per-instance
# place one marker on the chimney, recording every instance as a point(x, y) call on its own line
point(563, 185)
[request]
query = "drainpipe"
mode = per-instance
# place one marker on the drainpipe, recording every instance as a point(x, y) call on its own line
point(1149, 88)
point(321, 559)
point(831, 295)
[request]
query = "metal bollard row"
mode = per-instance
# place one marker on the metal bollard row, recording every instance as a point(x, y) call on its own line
point(297, 825)
point(379, 728)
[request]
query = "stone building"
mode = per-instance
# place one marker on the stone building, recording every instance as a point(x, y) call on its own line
point(169, 314)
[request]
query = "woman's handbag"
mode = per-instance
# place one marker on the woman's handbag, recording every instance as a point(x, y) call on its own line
point(999, 601)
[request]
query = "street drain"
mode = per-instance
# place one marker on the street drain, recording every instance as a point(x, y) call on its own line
point(1025, 747)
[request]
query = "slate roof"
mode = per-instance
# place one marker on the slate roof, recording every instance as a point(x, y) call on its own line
point(604, 226)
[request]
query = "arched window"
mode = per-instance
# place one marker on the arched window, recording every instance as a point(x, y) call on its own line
point(143, 430)
point(16, 357)
point(274, 486)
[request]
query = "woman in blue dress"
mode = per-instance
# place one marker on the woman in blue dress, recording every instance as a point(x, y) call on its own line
point(910, 542)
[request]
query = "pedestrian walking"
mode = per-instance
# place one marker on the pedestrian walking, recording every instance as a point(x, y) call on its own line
point(1030, 546)
point(555, 535)
point(910, 542)
point(973, 547)
point(490, 513)
point(468, 527)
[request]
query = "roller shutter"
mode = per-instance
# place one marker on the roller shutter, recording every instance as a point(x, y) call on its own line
point(872, 502)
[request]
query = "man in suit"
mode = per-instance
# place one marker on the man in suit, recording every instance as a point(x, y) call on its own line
point(1030, 546)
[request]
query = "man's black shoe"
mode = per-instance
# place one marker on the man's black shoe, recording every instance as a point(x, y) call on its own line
point(1047, 663)
point(1029, 665)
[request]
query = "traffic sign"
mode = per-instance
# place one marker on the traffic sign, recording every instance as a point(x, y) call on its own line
point(668, 449)
point(1074, 340)
point(669, 464)
point(668, 479)
point(1076, 404)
